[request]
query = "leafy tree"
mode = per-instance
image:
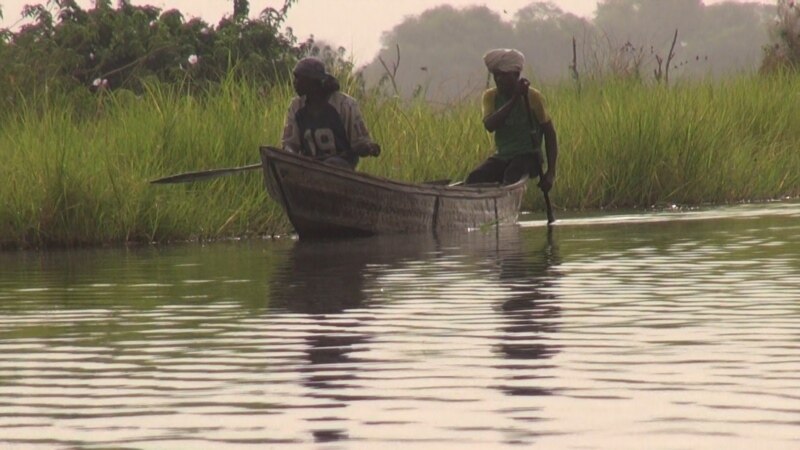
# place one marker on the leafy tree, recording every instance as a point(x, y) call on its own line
point(784, 48)
point(110, 48)
point(440, 52)
point(440, 49)
point(732, 39)
point(712, 40)
point(544, 34)
point(648, 21)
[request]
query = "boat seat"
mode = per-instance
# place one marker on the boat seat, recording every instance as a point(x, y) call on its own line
point(480, 185)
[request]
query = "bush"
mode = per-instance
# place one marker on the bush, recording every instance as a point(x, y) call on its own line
point(108, 48)
point(784, 51)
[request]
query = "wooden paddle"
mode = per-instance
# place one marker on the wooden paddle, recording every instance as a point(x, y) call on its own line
point(538, 161)
point(203, 175)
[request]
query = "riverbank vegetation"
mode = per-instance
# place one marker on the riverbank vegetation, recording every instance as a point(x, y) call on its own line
point(74, 179)
point(77, 160)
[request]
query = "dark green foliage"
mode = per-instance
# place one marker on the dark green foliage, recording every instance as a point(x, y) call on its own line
point(125, 47)
point(241, 9)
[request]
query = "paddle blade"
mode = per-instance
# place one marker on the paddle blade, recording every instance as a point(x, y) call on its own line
point(202, 175)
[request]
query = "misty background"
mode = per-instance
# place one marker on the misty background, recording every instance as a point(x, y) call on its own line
point(437, 55)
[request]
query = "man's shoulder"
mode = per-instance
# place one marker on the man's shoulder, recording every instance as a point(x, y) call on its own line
point(297, 103)
point(535, 96)
point(535, 93)
point(343, 104)
point(340, 98)
point(488, 100)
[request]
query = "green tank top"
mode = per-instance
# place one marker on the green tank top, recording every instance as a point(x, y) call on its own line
point(513, 137)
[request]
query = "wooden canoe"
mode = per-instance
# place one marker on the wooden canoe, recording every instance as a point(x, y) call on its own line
point(324, 201)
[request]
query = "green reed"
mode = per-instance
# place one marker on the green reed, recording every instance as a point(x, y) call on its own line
point(629, 145)
point(85, 181)
point(76, 178)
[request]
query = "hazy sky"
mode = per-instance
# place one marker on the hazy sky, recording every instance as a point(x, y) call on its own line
point(356, 25)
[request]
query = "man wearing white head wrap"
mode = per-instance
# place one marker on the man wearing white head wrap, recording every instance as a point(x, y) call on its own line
point(504, 60)
point(506, 110)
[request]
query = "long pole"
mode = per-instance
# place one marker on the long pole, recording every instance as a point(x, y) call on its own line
point(538, 161)
point(203, 174)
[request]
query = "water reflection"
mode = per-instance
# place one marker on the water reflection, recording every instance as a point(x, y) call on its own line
point(319, 279)
point(347, 293)
point(530, 313)
point(686, 330)
point(326, 282)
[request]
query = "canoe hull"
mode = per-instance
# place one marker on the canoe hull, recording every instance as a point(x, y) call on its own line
point(326, 201)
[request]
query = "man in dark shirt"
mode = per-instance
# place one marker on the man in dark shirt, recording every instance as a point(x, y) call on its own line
point(323, 122)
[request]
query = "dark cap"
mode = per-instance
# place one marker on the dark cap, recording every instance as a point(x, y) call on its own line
point(311, 67)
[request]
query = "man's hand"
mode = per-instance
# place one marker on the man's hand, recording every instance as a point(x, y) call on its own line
point(367, 149)
point(523, 85)
point(520, 89)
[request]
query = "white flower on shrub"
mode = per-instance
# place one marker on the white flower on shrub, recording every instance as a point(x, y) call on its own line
point(192, 59)
point(100, 83)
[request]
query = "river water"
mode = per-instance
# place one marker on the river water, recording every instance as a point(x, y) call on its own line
point(656, 330)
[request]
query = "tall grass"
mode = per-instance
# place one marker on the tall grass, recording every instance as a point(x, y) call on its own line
point(75, 179)
point(85, 181)
point(629, 145)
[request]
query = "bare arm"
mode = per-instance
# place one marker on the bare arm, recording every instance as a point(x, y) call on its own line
point(496, 119)
point(551, 148)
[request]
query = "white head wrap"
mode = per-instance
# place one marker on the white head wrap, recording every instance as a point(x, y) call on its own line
point(504, 60)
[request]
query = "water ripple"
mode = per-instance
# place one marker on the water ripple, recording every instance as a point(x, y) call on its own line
point(619, 331)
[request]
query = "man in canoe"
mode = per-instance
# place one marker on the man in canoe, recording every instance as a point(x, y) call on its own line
point(515, 113)
point(323, 122)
